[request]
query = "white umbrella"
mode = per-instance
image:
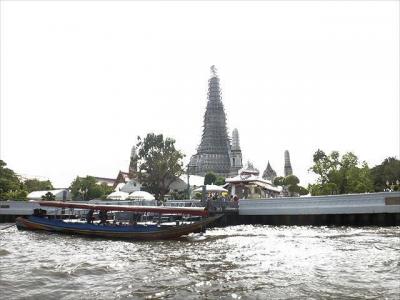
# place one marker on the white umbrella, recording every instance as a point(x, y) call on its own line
point(118, 196)
point(141, 195)
point(211, 188)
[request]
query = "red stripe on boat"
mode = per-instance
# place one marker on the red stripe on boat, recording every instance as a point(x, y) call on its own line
point(194, 211)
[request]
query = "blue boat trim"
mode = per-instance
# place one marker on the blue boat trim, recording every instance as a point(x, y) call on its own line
point(94, 227)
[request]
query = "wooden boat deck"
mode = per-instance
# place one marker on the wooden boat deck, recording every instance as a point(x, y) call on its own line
point(138, 231)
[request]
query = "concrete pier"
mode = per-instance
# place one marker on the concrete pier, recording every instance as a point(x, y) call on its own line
point(372, 209)
point(10, 210)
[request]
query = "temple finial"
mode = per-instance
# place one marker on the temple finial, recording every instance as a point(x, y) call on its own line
point(214, 71)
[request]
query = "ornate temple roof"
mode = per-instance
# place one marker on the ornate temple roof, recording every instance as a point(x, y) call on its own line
point(269, 173)
point(253, 179)
point(249, 169)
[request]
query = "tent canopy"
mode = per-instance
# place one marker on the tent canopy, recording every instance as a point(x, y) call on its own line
point(141, 195)
point(211, 188)
point(118, 195)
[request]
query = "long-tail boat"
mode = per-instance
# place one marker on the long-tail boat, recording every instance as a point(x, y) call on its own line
point(136, 231)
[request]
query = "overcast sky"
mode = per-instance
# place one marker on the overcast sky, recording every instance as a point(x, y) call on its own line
point(81, 80)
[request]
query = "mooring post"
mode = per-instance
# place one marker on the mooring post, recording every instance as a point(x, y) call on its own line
point(203, 194)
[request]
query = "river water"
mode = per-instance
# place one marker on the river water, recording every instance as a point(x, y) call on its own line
point(238, 262)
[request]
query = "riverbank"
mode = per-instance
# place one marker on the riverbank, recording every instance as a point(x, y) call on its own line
point(370, 209)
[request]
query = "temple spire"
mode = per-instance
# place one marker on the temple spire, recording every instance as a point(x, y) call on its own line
point(269, 173)
point(235, 140)
point(288, 166)
point(213, 153)
point(133, 163)
point(213, 71)
point(236, 154)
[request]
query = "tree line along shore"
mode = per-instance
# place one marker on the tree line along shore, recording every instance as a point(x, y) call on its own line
point(160, 163)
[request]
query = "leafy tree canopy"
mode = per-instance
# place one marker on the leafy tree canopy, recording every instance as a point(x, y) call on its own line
point(49, 196)
point(210, 178)
point(220, 180)
point(11, 186)
point(290, 185)
point(198, 196)
point(159, 162)
point(14, 195)
point(279, 181)
point(291, 180)
point(88, 189)
point(31, 185)
point(297, 190)
point(386, 175)
point(340, 175)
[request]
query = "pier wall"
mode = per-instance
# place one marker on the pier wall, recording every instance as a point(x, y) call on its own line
point(371, 203)
point(372, 209)
point(376, 209)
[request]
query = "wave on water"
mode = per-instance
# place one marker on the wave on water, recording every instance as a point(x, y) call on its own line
point(4, 252)
point(237, 262)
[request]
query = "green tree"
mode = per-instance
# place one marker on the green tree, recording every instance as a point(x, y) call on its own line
point(210, 178)
point(198, 196)
point(14, 195)
point(279, 181)
point(386, 175)
point(359, 179)
point(106, 190)
point(340, 175)
point(302, 191)
point(49, 196)
point(11, 186)
point(178, 195)
point(324, 165)
point(31, 185)
point(159, 162)
point(290, 184)
point(291, 180)
point(297, 190)
point(323, 189)
point(88, 189)
point(220, 180)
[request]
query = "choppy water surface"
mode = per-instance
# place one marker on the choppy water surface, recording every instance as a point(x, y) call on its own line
point(241, 262)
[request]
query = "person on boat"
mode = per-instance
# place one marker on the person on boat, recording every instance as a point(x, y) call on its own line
point(89, 216)
point(103, 217)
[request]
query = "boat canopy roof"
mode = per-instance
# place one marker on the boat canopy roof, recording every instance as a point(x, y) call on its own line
point(194, 211)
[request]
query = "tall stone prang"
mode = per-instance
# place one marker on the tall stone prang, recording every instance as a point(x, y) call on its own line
point(133, 163)
point(288, 166)
point(214, 152)
point(236, 154)
point(269, 173)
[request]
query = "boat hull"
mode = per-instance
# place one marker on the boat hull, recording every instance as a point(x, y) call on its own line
point(134, 232)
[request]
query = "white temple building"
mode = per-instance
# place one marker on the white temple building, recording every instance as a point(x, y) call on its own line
point(249, 185)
